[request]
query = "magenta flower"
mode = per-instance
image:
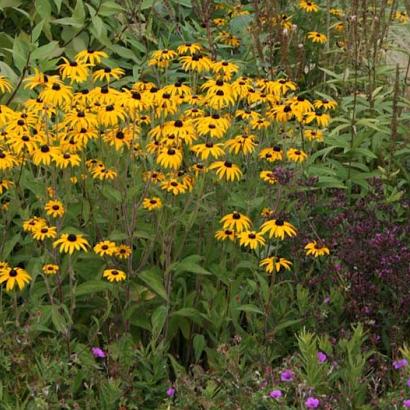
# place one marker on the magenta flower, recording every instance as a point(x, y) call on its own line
point(98, 353)
point(321, 357)
point(171, 392)
point(312, 403)
point(275, 394)
point(406, 403)
point(398, 364)
point(286, 375)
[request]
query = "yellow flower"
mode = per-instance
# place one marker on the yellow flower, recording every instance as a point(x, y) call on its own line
point(189, 48)
point(103, 173)
point(275, 263)
point(7, 160)
point(315, 249)
point(5, 85)
point(196, 62)
point(321, 119)
point(224, 69)
point(271, 154)
point(76, 72)
point(236, 221)
point(170, 158)
point(241, 143)
point(40, 233)
point(107, 74)
point(56, 94)
point(325, 104)
point(278, 228)
point(296, 155)
point(123, 251)
point(268, 176)
point(33, 223)
point(105, 248)
point(151, 204)
point(13, 276)
point(114, 275)
point(69, 243)
point(308, 6)
point(227, 170)
point(50, 269)
point(5, 184)
point(312, 135)
point(90, 56)
point(317, 37)
point(251, 239)
point(174, 186)
point(225, 234)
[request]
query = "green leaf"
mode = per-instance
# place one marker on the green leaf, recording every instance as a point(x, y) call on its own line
point(190, 264)
point(60, 322)
point(9, 246)
point(109, 8)
point(199, 344)
point(47, 51)
point(35, 34)
point(249, 308)
point(111, 193)
point(158, 319)
point(98, 25)
point(92, 286)
point(153, 280)
point(43, 8)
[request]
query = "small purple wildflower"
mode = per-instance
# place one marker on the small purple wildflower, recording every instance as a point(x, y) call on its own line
point(312, 403)
point(98, 353)
point(398, 364)
point(275, 394)
point(406, 403)
point(408, 383)
point(171, 392)
point(321, 357)
point(286, 375)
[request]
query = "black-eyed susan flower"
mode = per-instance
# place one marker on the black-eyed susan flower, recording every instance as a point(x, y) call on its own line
point(105, 248)
point(103, 173)
point(151, 204)
point(321, 119)
point(114, 275)
point(308, 6)
point(313, 135)
point(43, 155)
point(41, 79)
point(271, 154)
point(316, 249)
point(69, 243)
point(224, 69)
point(50, 269)
point(325, 104)
point(31, 224)
point(244, 144)
point(196, 62)
point(123, 251)
point(170, 158)
point(317, 37)
point(73, 70)
point(251, 239)
point(236, 221)
point(56, 94)
point(5, 184)
point(224, 234)
point(296, 155)
point(189, 48)
point(13, 277)
point(40, 233)
point(226, 170)
point(278, 228)
point(65, 159)
point(204, 151)
point(90, 56)
point(275, 264)
point(5, 85)
point(7, 160)
point(401, 17)
point(108, 74)
point(229, 39)
point(173, 186)
point(268, 176)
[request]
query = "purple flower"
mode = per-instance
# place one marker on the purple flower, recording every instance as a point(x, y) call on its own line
point(398, 364)
point(286, 375)
point(406, 403)
point(275, 394)
point(171, 392)
point(408, 383)
point(312, 403)
point(98, 353)
point(321, 357)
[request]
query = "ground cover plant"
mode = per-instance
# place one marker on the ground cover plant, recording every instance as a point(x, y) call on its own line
point(204, 205)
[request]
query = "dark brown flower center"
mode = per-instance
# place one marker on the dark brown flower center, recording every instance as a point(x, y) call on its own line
point(72, 237)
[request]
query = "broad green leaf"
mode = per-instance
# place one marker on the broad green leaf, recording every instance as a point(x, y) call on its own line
point(249, 308)
point(153, 280)
point(92, 286)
